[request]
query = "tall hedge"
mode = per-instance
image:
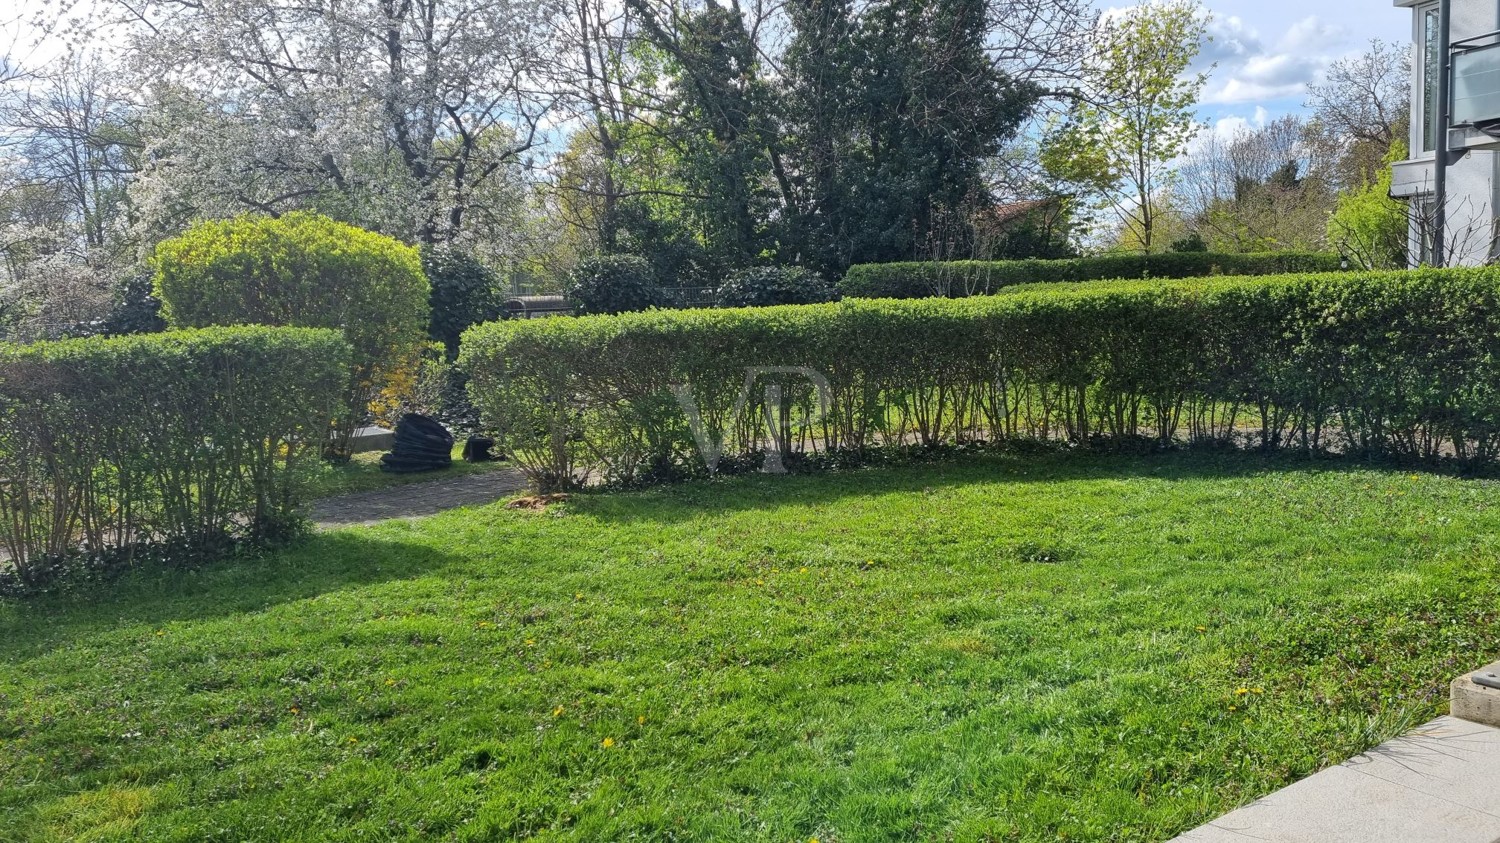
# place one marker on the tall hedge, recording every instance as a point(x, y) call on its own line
point(956, 279)
point(110, 447)
point(1397, 363)
point(305, 270)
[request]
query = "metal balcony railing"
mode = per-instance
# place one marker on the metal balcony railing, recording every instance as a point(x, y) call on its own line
point(1476, 81)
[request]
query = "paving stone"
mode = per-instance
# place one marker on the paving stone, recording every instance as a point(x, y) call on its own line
point(417, 500)
point(1439, 784)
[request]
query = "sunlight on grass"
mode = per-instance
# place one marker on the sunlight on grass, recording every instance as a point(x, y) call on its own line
point(104, 814)
point(1057, 647)
point(362, 474)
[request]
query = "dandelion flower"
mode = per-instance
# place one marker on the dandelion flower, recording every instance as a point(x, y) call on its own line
point(641, 721)
point(608, 742)
point(557, 712)
point(1201, 628)
point(1240, 692)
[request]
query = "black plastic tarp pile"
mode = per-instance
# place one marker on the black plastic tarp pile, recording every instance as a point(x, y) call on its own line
point(422, 444)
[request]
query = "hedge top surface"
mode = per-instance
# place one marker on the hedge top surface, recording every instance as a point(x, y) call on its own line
point(957, 279)
point(92, 351)
point(587, 330)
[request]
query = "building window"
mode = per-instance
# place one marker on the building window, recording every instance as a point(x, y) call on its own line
point(1430, 71)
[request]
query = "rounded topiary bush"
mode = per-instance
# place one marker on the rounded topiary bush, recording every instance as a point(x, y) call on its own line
point(762, 286)
point(613, 284)
point(305, 270)
point(465, 292)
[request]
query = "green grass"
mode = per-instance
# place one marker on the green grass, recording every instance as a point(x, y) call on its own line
point(1017, 649)
point(362, 474)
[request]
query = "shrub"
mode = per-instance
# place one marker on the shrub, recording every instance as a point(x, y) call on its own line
point(464, 292)
point(1397, 363)
point(762, 286)
point(187, 439)
point(612, 284)
point(305, 270)
point(956, 279)
point(135, 311)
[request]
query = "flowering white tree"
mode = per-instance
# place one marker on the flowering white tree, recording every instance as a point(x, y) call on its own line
point(405, 116)
point(67, 151)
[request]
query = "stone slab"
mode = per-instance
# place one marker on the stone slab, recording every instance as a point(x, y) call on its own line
point(1438, 784)
point(1475, 703)
point(372, 439)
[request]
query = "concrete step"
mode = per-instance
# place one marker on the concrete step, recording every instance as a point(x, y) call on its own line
point(1439, 784)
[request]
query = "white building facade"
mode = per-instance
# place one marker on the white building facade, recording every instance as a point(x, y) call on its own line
point(1473, 174)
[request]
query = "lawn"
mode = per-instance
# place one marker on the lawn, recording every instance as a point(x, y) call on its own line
point(362, 474)
point(1016, 648)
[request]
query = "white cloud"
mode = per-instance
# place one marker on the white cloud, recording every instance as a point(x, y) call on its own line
point(1251, 69)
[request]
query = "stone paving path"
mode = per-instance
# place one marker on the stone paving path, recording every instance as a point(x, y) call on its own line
point(415, 500)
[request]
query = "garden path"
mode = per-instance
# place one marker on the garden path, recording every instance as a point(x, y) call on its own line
point(416, 500)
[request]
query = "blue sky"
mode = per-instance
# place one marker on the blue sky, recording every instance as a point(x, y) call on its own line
point(1268, 51)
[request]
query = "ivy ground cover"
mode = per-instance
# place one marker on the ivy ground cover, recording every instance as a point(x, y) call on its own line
point(1064, 646)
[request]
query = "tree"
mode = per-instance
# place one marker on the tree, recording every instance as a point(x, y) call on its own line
point(1364, 101)
point(891, 112)
point(70, 150)
point(400, 115)
point(1134, 114)
point(1366, 96)
point(465, 292)
point(1369, 226)
point(1260, 189)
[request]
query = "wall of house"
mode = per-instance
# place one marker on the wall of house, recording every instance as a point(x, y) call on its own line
point(1472, 179)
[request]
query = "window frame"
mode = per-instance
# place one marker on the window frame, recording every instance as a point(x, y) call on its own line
point(1426, 113)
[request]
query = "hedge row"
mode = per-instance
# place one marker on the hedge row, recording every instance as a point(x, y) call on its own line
point(956, 279)
point(1396, 363)
point(189, 440)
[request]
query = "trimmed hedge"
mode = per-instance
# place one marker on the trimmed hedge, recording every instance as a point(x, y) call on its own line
point(956, 279)
point(310, 271)
point(1406, 364)
point(116, 449)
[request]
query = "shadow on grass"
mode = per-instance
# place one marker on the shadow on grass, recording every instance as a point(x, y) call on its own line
point(319, 564)
point(725, 495)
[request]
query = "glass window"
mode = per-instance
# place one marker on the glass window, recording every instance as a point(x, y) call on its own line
point(1430, 72)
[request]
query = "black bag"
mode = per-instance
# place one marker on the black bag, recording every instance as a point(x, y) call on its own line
point(422, 444)
point(477, 449)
